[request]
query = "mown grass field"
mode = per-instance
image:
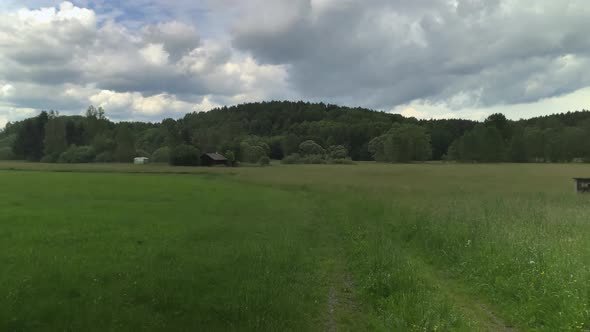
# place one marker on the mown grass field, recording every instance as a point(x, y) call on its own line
point(374, 247)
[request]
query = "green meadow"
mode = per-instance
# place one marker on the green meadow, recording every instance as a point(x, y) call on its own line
point(366, 247)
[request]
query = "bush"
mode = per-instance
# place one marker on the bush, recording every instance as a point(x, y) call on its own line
point(6, 153)
point(252, 148)
point(142, 153)
point(77, 154)
point(185, 155)
point(309, 159)
point(161, 155)
point(50, 158)
point(345, 161)
point(252, 154)
point(310, 148)
point(264, 161)
point(231, 158)
point(338, 152)
point(104, 157)
point(292, 159)
point(314, 159)
point(104, 142)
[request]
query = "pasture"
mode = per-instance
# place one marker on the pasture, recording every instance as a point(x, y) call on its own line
point(423, 247)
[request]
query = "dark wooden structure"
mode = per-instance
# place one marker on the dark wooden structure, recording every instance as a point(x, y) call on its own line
point(582, 185)
point(213, 159)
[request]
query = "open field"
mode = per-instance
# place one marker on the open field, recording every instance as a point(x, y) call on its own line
point(361, 247)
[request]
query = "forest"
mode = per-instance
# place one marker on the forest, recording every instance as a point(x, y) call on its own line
point(296, 132)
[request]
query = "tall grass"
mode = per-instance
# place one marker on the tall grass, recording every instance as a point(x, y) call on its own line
point(371, 247)
point(153, 252)
point(527, 255)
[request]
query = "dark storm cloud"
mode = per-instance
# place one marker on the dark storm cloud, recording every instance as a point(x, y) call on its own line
point(178, 39)
point(393, 52)
point(150, 58)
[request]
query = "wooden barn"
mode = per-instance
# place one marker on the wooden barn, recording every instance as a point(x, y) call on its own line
point(213, 159)
point(582, 185)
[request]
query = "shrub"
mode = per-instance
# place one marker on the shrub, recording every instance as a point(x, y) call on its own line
point(309, 148)
point(77, 154)
point(344, 161)
point(314, 159)
point(50, 158)
point(257, 141)
point(264, 161)
point(161, 155)
point(231, 158)
point(185, 155)
point(252, 154)
point(338, 152)
point(6, 153)
point(292, 159)
point(142, 153)
point(104, 157)
point(104, 142)
point(252, 148)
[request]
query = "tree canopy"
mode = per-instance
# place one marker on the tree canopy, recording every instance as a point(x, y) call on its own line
point(249, 132)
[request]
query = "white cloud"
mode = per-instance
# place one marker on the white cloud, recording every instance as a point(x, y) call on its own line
point(6, 90)
point(411, 112)
point(62, 58)
point(423, 109)
point(66, 12)
point(435, 58)
point(155, 54)
point(10, 113)
point(135, 104)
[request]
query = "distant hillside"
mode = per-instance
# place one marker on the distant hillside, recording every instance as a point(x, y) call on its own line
point(279, 128)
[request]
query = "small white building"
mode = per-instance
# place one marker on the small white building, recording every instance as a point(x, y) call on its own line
point(141, 160)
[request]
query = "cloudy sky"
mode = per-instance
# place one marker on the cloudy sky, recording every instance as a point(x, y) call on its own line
point(151, 59)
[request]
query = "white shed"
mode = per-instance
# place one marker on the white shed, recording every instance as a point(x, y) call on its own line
point(141, 160)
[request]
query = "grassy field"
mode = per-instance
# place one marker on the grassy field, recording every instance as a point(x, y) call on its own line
point(432, 247)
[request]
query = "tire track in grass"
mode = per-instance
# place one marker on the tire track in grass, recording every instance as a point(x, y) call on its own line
point(342, 310)
point(333, 303)
point(477, 312)
point(340, 300)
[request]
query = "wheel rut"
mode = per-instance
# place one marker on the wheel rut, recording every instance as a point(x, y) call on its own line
point(478, 313)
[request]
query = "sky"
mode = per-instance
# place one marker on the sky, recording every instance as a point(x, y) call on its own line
point(151, 59)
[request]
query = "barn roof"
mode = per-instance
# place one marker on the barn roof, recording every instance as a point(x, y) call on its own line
point(216, 156)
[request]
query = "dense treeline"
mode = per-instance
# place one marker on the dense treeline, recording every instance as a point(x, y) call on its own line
point(554, 138)
point(297, 132)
